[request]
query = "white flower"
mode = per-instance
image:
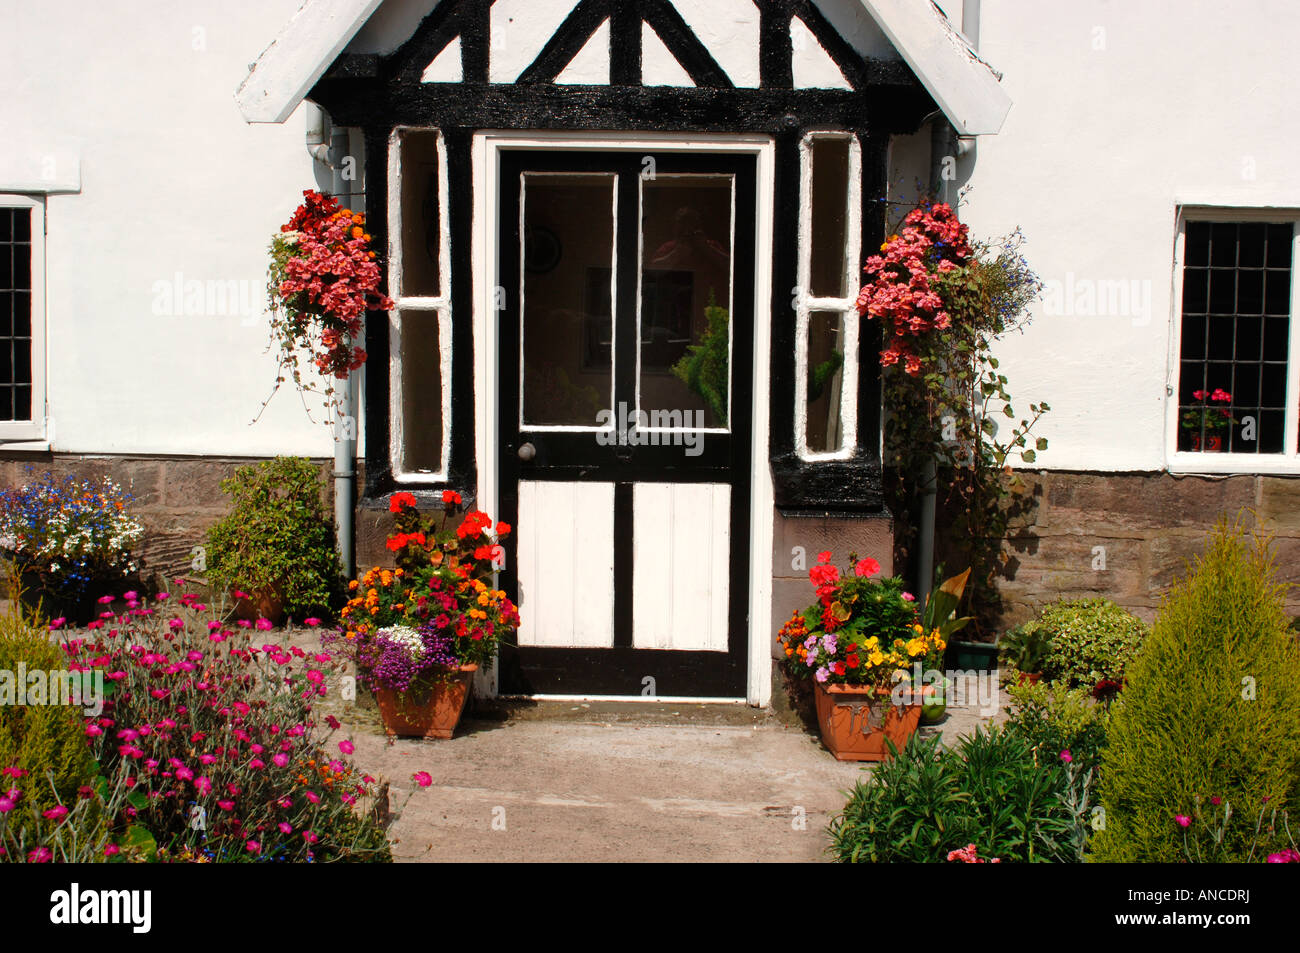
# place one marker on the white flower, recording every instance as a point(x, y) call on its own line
point(408, 638)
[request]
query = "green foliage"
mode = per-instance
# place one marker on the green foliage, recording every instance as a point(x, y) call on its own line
point(941, 607)
point(926, 802)
point(39, 738)
point(959, 412)
point(1026, 647)
point(1054, 718)
point(704, 366)
point(277, 535)
point(1092, 640)
point(1211, 710)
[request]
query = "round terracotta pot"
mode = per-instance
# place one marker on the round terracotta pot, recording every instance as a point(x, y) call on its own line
point(856, 720)
point(264, 603)
point(430, 708)
point(1028, 678)
point(1213, 443)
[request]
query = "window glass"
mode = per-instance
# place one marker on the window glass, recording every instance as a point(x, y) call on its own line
point(421, 392)
point(1232, 394)
point(824, 432)
point(828, 275)
point(15, 314)
point(420, 210)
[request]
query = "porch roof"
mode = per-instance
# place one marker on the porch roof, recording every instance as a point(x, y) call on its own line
point(964, 86)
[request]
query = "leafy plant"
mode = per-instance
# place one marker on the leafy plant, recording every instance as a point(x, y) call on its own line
point(989, 791)
point(941, 607)
point(1054, 718)
point(69, 533)
point(46, 741)
point(1212, 707)
point(861, 629)
point(277, 536)
point(322, 279)
point(1092, 640)
point(947, 403)
point(208, 749)
point(1026, 647)
point(438, 609)
point(704, 366)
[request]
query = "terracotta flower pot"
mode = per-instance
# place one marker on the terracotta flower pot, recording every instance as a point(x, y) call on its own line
point(264, 603)
point(430, 708)
point(1213, 443)
point(855, 720)
point(1030, 678)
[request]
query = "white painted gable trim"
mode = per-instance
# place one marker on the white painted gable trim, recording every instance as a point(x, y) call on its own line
point(963, 85)
point(298, 56)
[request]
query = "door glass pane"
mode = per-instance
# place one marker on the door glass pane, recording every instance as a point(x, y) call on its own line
point(830, 211)
point(825, 375)
point(421, 408)
point(568, 269)
point(686, 300)
point(421, 223)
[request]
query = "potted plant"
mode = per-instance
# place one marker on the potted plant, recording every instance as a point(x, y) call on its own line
point(856, 643)
point(1026, 648)
point(418, 632)
point(1208, 419)
point(68, 541)
point(275, 549)
point(940, 614)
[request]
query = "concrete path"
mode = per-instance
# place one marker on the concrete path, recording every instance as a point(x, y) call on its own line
point(561, 781)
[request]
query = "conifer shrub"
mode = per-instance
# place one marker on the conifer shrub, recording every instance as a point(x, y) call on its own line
point(46, 742)
point(1211, 711)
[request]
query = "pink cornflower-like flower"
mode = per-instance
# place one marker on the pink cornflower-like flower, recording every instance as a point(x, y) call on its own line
point(111, 849)
point(41, 855)
point(1066, 756)
point(280, 759)
point(55, 813)
point(347, 747)
point(226, 805)
point(285, 827)
point(422, 778)
point(253, 847)
point(311, 621)
point(6, 805)
point(1183, 820)
point(313, 797)
point(264, 625)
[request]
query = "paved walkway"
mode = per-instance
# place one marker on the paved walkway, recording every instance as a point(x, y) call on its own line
point(561, 781)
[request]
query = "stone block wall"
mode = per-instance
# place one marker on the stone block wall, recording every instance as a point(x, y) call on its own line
point(799, 536)
point(177, 498)
point(1127, 536)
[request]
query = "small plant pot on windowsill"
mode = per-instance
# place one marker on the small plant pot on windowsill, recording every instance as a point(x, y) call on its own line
point(857, 720)
point(430, 708)
point(1213, 443)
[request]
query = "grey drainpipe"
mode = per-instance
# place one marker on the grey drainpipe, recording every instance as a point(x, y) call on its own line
point(944, 141)
point(345, 424)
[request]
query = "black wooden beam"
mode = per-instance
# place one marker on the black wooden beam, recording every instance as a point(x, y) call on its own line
point(775, 49)
point(850, 63)
point(475, 32)
point(684, 44)
point(430, 38)
point(547, 106)
point(566, 42)
point(625, 43)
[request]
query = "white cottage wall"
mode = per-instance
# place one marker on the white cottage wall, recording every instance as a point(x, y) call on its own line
point(175, 188)
point(1122, 113)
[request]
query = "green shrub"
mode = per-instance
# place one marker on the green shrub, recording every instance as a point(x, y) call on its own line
point(277, 535)
point(1092, 640)
point(1211, 710)
point(989, 791)
point(47, 742)
point(1052, 718)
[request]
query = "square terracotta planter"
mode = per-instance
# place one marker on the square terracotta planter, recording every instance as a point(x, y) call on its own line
point(429, 708)
point(855, 720)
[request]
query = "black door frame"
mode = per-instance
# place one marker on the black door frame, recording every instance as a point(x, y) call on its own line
point(621, 670)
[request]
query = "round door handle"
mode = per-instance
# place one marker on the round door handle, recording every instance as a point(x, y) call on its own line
point(527, 451)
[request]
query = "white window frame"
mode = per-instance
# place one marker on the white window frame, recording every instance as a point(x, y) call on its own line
point(805, 304)
point(1186, 461)
point(438, 307)
point(17, 431)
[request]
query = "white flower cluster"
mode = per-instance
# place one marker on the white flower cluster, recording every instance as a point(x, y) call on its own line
point(408, 638)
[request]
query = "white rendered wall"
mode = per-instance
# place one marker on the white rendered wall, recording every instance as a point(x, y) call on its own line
point(1122, 111)
point(172, 181)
